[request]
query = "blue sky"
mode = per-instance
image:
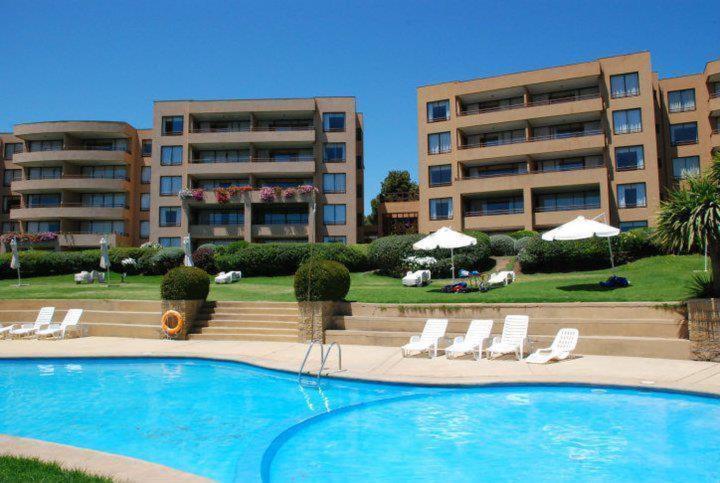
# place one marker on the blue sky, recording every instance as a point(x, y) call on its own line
point(110, 60)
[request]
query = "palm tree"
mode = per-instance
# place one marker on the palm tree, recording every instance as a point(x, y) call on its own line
point(690, 218)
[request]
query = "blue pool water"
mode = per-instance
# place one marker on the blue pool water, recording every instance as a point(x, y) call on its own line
point(234, 422)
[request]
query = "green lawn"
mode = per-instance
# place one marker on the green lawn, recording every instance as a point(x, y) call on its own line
point(653, 279)
point(13, 469)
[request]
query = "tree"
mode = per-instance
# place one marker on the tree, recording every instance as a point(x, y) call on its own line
point(690, 218)
point(397, 186)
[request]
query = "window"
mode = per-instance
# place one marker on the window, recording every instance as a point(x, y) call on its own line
point(12, 148)
point(220, 217)
point(101, 227)
point(145, 174)
point(172, 125)
point(10, 175)
point(43, 200)
point(441, 208)
point(45, 173)
point(222, 156)
point(170, 185)
point(9, 203)
point(144, 229)
point(333, 121)
point(685, 133)
point(105, 172)
point(567, 200)
point(687, 166)
point(439, 143)
point(169, 241)
point(334, 152)
point(627, 121)
point(169, 216)
point(10, 227)
point(505, 205)
point(629, 157)
point(46, 145)
point(334, 182)
point(43, 226)
point(631, 225)
point(679, 101)
point(211, 184)
point(335, 239)
point(501, 137)
point(105, 200)
point(624, 85)
point(171, 155)
point(147, 147)
point(631, 195)
point(290, 215)
point(106, 145)
point(438, 111)
point(145, 202)
point(334, 214)
point(440, 175)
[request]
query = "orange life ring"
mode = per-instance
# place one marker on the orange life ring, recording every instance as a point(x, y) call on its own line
point(172, 322)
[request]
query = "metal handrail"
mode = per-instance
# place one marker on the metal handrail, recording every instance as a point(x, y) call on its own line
point(307, 354)
point(325, 358)
point(519, 105)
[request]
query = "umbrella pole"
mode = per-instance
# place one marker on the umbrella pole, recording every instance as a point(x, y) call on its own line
point(452, 264)
point(18, 271)
point(612, 261)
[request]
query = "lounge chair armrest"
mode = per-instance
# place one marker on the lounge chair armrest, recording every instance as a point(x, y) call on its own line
point(415, 338)
point(495, 340)
point(27, 326)
point(459, 339)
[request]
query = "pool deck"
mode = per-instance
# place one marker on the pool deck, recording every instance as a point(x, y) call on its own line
point(359, 362)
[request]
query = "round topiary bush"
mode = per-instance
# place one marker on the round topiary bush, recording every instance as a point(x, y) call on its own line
point(502, 245)
point(204, 258)
point(318, 279)
point(521, 243)
point(185, 283)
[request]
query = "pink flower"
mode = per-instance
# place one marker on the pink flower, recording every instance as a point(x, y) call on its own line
point(267, 194)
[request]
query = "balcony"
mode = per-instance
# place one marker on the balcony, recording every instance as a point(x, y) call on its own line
point(69, 210)
point(557, 217)
point(714, 104)
point(590, 174)
point(217, 231)
point(566, 107)
point(210, 198)
point(70, 183)
point(71, 240)
point(254, 134)
point(86, 155)
point(585, 142)
point(715, 138)
point(280, 231)
point(494, 221)
point(300, 165)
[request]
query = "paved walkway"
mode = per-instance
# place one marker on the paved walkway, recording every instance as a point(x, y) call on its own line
point(386, 363)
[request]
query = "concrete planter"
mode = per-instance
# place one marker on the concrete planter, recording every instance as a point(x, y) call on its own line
point(704, 328)
point(315, 318)
point(189, 310)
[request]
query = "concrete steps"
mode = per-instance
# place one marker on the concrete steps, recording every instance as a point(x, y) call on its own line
point(272, 321)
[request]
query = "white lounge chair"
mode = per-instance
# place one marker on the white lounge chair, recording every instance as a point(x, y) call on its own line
point(428, 341)
point(512, 339)
point(501, 278)
point(83, 277)
point(235, 275)
point(69, 323)
point(562, 346)
point(478, 332)
point(224, 277)
point(44, 318)
point(417, 278)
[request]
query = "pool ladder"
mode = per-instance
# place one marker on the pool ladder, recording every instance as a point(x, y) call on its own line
point(324, 355)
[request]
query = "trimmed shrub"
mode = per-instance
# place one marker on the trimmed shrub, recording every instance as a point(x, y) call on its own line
point(117, 255)
point(522, 234)
point(502, 245)
point(161, 261)
point(354, 259)
point(185, 283)
point(520, 243)
point(639, 243)
point(317, 280)
point(204, 258)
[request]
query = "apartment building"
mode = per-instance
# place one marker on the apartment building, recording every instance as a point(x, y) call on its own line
point(534, 149)
point(270, 170)
point(267, 170)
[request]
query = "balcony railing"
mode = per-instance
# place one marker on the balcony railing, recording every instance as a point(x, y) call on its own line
point(716, 131)
point(545, 102)
point(534, 171)
point(75, 176)
point(254, 159)
point(714, 94)
point(684, 142)
point(81, 148)
point(586, 206)
point(533, 139)
point(198, 129)
point(508, 211)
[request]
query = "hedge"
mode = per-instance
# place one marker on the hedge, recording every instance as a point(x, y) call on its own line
point(185, 283)
point(539, 255)
point(319, 279)
point(502, 245)
point(523, 234)
point(388, 255)
point(267, 259)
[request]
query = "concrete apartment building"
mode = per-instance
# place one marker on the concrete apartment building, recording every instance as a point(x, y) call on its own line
point(84, 179)
point(534, 149)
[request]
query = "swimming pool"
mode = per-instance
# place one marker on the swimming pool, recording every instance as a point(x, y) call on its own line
point(234, 422)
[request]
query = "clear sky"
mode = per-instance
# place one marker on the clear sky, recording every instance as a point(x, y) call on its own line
point(110, 60)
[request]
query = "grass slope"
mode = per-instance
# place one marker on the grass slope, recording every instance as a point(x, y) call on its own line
point(14, 469)
point(664, 278)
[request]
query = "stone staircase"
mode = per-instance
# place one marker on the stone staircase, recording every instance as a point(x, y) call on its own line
point(627, 329)
point(270, 321)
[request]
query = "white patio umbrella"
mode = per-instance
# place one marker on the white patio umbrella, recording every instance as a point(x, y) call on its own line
point(581, 228)
point(448, 239)
point(187, 247)
point(15, 260)
point(105, 258)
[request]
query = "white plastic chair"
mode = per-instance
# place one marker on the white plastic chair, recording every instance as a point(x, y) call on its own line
point(69, 323)
point(478, 332)
point(44, 318)
point(562, 346)
point(428, 340)
point(512, 339)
